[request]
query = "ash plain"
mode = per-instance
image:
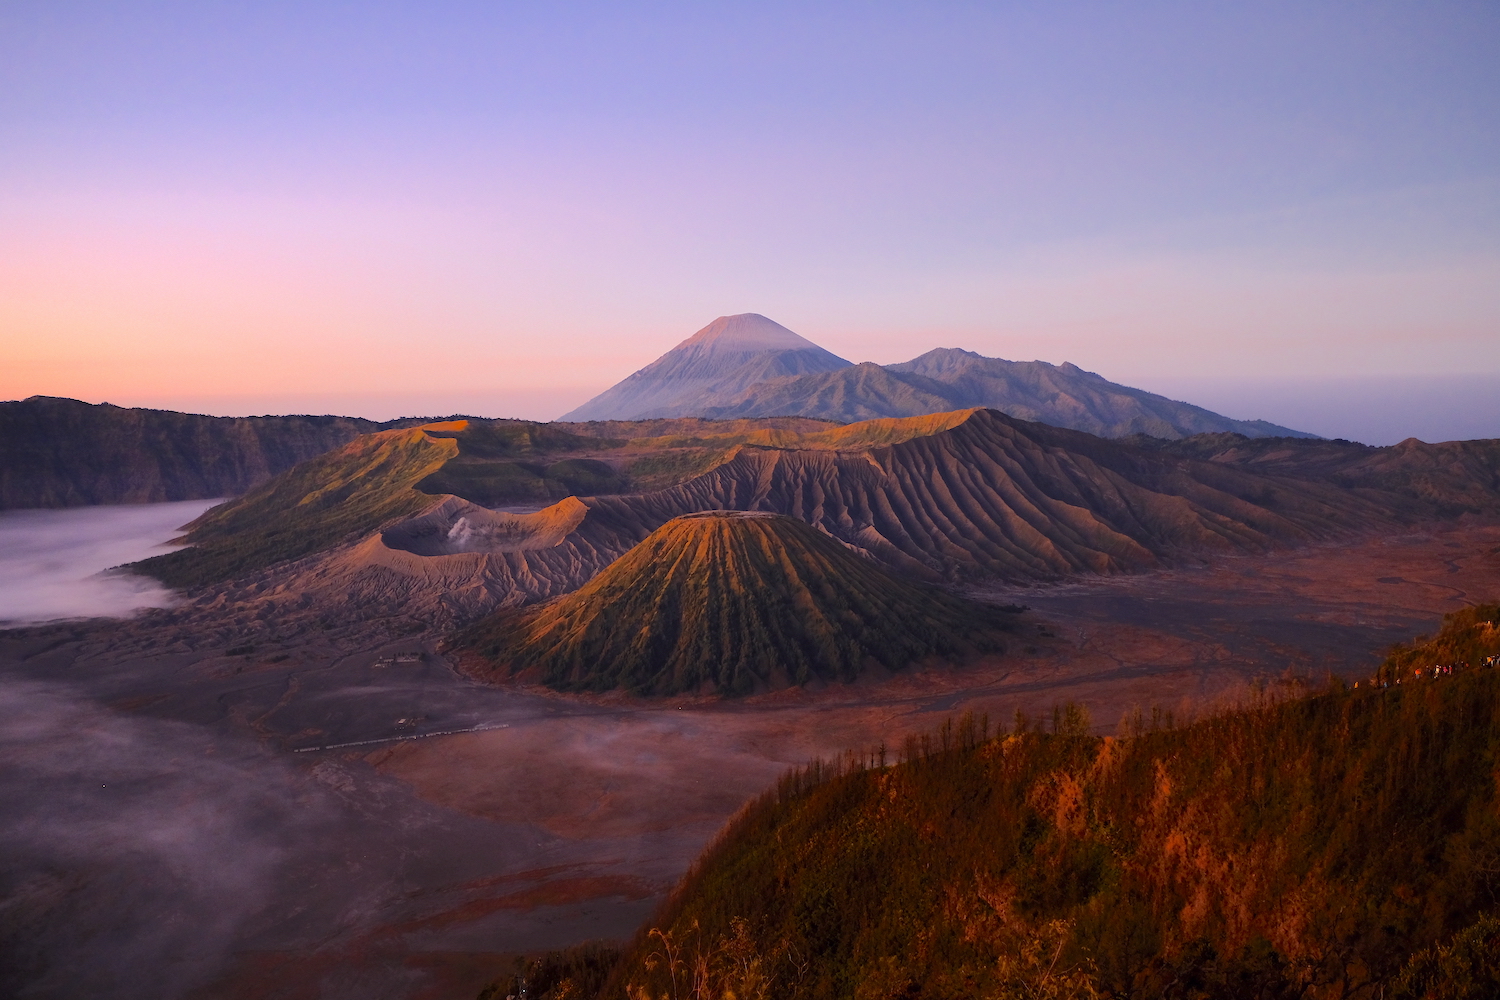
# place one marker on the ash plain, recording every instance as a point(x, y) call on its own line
point(205, 805)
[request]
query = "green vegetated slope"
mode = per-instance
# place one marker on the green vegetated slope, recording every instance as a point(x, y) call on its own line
point(1305, 848)
point(319, 503)
point(357, 489)
point(66, 453)
point(730, 603)
point(970, 493)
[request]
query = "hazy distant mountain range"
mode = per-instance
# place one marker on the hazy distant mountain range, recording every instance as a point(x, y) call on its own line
point(750, 366)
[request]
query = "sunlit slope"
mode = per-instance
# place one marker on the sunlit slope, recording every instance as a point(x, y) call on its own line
point(334, 498)
point(981, 494)
point(971, 493)
point(730, 602)
point(1304, 849)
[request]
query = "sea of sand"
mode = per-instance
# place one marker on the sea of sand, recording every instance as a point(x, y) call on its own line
point(346, 816)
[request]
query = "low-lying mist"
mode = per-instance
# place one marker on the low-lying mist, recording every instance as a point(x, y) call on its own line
point(54, 563)
point(133, 851)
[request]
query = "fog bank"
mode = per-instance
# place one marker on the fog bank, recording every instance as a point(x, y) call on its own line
point(53, 563)
point(133, 854)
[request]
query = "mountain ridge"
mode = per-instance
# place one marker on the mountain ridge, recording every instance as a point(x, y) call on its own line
point(947, 497)
point(756, 379)
point(59, 452)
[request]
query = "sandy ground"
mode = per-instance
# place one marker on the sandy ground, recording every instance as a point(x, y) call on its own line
point(414, 868)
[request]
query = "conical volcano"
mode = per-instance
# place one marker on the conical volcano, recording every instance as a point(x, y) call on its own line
point(731, 602)
point(724, 358)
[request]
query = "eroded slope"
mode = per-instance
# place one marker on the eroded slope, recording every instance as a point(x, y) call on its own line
point(943, 497)
point(729, 602)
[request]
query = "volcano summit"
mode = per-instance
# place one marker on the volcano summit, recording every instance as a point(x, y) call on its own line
point(722, 360)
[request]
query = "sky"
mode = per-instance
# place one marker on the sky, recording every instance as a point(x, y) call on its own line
point(503, 208)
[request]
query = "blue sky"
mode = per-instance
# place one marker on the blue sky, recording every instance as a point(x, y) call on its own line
point(507, 207)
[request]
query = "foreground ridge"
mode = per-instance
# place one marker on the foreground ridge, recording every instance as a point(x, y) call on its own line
point(1290, 848)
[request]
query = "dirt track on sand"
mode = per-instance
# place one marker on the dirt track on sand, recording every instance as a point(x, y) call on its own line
point(421, 864)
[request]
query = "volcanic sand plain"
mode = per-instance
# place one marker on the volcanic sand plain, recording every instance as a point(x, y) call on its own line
point(409, 863)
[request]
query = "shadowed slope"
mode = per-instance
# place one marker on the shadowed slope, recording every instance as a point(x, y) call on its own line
point(66, 453)
point(731, 602)
point(1453, 476)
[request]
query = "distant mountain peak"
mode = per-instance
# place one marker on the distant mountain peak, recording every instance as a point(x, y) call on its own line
point(746, 332)
point(747, 365)
point(949, 378)
point(725, 357)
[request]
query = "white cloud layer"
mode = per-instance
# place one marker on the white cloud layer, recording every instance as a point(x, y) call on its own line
point(56, 563)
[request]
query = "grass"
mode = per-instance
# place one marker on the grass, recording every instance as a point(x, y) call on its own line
point(1344, 844)
point(336, 497)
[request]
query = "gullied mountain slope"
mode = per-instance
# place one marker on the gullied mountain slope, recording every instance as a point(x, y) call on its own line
point(943, 497)
point(949, 379)
point(865, 391)
point(348, 494)
point(988, 495)
point(65, 453)
point(729, 602)
point(1297, 849)
point(1453, 476)
point(729, 355)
